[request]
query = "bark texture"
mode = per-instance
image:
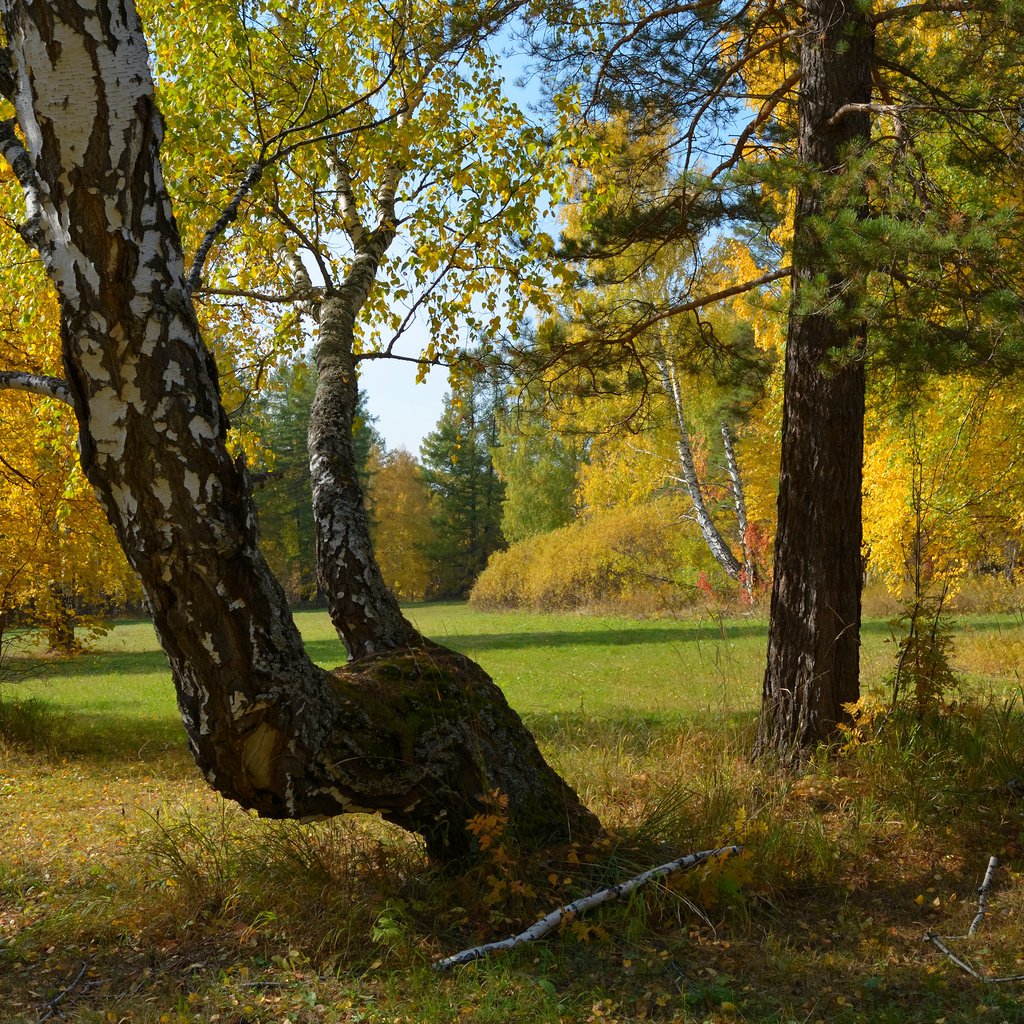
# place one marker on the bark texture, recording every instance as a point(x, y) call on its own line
point(362, 607)
point(417, 734)
point(814, 636)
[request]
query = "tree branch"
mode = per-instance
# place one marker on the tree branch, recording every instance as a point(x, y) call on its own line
point(940, 945)
point(913, 10)
point(895, 109)
point(986, 884)
point(20, 161)
point(228, 215)
point(275, 298)
point(762, 115)
point(388, 354)
point(699, 303)
point(718, 90)
point(255, 172)
point(36, 384)
point(643, 23)
point(549, 923)
point(349, 207)
point(17, 473)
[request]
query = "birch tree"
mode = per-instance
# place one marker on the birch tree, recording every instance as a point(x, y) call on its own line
point(413, 732)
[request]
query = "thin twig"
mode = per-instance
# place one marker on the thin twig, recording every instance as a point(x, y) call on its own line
point(551, 921)
point(61, 996)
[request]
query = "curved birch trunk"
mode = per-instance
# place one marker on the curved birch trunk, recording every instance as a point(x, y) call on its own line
point(716, 543)
point(749, 575)
point(417, 734)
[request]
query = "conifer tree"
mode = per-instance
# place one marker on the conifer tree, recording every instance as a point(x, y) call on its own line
point(466, 490)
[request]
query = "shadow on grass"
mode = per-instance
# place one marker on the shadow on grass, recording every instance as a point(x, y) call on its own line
point(332, 652)
point(633, 729)
point(681, 634)
point(97, 663)
point(42, 727)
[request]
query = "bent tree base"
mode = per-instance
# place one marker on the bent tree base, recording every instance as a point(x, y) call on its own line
point(421, 736)
point(415, 733)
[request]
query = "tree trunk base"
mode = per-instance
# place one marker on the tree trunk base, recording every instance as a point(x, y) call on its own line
point(420, 735)
point(448, 729)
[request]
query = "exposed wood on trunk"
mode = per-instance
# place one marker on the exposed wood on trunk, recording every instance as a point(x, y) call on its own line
point(417, 734)
point(814, 635)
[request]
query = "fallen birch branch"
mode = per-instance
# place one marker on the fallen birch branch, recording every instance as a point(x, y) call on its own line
point(990, 871)
point(552, 921)
point(939, 944)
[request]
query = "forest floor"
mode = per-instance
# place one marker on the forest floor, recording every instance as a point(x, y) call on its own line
point(131, 893)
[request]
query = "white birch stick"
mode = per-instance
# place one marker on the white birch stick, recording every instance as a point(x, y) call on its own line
point(936, 940)
point(549, 923)
point(983, 895)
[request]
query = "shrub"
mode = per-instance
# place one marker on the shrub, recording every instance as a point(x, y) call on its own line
point(639, 558)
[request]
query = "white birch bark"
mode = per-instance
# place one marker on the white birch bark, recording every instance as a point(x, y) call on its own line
point(416, 737)
point(716, 543)
point(749, 577)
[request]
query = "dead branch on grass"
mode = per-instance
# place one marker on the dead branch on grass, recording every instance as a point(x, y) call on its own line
point(572, 910)
point(939, 941)
point(51, 1006)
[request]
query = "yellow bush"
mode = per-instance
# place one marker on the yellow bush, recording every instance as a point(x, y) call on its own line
point(639, 558)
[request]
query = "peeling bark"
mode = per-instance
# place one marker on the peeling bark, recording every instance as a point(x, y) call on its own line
point(417, 734)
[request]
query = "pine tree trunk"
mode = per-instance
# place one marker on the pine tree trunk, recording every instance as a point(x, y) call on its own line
point(814, 635)
point(417, 734)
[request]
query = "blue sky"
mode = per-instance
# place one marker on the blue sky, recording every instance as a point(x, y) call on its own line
point(406, 411)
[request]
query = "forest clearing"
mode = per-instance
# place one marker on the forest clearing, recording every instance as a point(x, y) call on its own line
point(130, 892)
point(729, 473)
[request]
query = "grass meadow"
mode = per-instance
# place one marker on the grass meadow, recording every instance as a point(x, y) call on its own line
point(130, 892)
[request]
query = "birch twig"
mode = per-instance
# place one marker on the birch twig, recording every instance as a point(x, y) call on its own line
point(939, 944)
point(983, 895)
point(551, 921)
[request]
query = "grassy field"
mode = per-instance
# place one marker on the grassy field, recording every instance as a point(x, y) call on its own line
point(129, 892)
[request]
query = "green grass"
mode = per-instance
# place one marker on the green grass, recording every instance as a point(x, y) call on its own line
point(573, 667)
point(130, 892)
